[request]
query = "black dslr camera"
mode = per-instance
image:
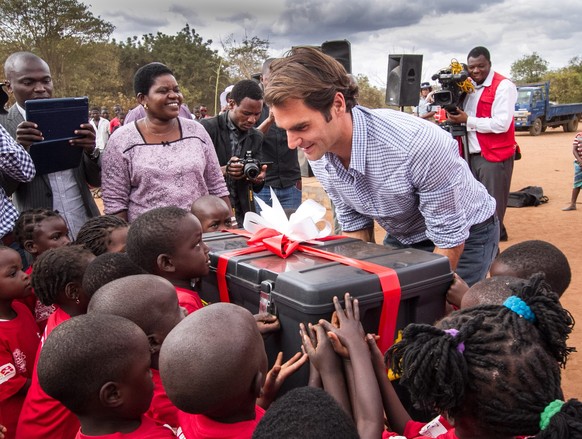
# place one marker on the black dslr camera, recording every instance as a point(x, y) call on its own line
point(448, 97)
point(251, 166)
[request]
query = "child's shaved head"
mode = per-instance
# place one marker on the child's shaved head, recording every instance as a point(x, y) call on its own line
point(214, 361)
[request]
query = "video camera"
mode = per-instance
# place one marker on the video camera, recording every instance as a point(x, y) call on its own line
point(251, 166)
point(454, 82)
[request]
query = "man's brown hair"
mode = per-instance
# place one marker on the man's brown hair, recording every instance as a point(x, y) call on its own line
point(308, 74)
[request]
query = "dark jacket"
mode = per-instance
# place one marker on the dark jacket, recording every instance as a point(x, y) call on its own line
point(38, 192)
point(241, 191)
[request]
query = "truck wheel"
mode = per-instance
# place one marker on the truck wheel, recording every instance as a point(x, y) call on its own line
point(536, 128)
point(571, 126)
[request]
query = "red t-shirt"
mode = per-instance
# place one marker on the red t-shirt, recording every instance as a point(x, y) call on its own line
point(43, 416)
point(161, 409)
point(201, 427)
point(19, 341)
point(437, 428)
point(147, 430)
point(189, 299)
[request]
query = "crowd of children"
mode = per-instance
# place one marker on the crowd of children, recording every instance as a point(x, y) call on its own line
point(107, 337)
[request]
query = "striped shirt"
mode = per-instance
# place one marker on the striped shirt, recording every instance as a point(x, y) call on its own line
point(16, 163)
point(405, 173)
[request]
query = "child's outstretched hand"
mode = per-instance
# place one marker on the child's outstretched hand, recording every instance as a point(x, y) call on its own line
point(456, 291)
point(277, 376)
point(2, 431)
point(267, 323)
point(350, 330)
point(321, 353)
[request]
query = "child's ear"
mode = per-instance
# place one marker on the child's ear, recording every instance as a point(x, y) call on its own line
point(110, 395)
point(257, 385)
point(165, 264)
point(73, 291)
point(30, 247)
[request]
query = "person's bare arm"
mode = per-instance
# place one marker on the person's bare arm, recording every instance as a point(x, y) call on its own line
point(369, 415)
point(328, 364)
point(396, 414)
point(363, 234)
point(453, 253)
point(266, 124)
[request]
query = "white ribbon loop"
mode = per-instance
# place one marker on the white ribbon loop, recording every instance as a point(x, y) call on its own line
point(301, 226)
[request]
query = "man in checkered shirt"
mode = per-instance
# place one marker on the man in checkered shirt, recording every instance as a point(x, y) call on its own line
point(384, 165)
point(15, 162)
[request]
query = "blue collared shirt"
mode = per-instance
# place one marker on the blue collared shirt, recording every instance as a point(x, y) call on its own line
point(405, 173)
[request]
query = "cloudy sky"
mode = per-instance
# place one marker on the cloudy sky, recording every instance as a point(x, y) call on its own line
point(439, 30)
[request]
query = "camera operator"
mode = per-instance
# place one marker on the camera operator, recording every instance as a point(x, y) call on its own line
point(488, 115)
point(237, 142)
point(425, 110)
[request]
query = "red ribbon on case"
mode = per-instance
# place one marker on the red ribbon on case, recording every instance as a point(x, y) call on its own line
point(270, 239)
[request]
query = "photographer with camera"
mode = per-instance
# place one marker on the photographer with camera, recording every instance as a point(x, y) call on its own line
point(488, 117)
point(238, 145)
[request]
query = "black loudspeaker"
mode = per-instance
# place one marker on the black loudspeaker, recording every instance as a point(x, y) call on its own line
point(403, 84)
point(341, 51)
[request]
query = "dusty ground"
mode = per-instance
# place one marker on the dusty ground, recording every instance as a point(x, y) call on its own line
point(547, 162)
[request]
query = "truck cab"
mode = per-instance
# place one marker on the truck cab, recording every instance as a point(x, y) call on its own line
point(535, 113)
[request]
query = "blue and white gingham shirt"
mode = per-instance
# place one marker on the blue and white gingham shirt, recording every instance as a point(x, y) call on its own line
point(405, 173)
point(16, 163)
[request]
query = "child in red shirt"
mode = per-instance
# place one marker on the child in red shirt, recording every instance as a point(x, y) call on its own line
point(98, 366)
point(151, 303)
point(19, 339)
point(38, 230)
point(57, 280)
point(167, 241)
point(213, 365)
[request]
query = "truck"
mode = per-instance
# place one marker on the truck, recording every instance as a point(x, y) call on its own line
point(535, 113)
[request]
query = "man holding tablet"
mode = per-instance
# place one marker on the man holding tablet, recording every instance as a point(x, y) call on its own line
point(28, 77)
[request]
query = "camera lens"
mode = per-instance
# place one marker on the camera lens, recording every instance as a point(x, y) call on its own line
point(251, 171)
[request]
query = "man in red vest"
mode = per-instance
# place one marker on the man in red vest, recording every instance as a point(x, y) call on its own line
point(488, 116)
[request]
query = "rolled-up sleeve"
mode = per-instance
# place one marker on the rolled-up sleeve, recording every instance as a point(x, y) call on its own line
point(14, 160)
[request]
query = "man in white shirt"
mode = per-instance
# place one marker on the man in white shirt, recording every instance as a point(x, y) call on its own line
point(101, 126)
point(488, 116)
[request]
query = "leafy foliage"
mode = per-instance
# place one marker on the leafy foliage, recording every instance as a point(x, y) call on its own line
point(529, 68)
point(245, 58)
point(194, 63)
point(61, 32)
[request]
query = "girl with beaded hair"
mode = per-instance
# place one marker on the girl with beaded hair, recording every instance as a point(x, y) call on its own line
point(494, 371)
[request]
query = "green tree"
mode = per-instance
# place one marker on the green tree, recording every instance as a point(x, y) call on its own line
point(369, 95)
point(195, 65)
point(245, 58)
point(59, 31)
point(565, 86)
point(529, 68)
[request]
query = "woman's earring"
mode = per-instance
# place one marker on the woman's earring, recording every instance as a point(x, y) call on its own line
point(77, 301)
point(145, 106)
